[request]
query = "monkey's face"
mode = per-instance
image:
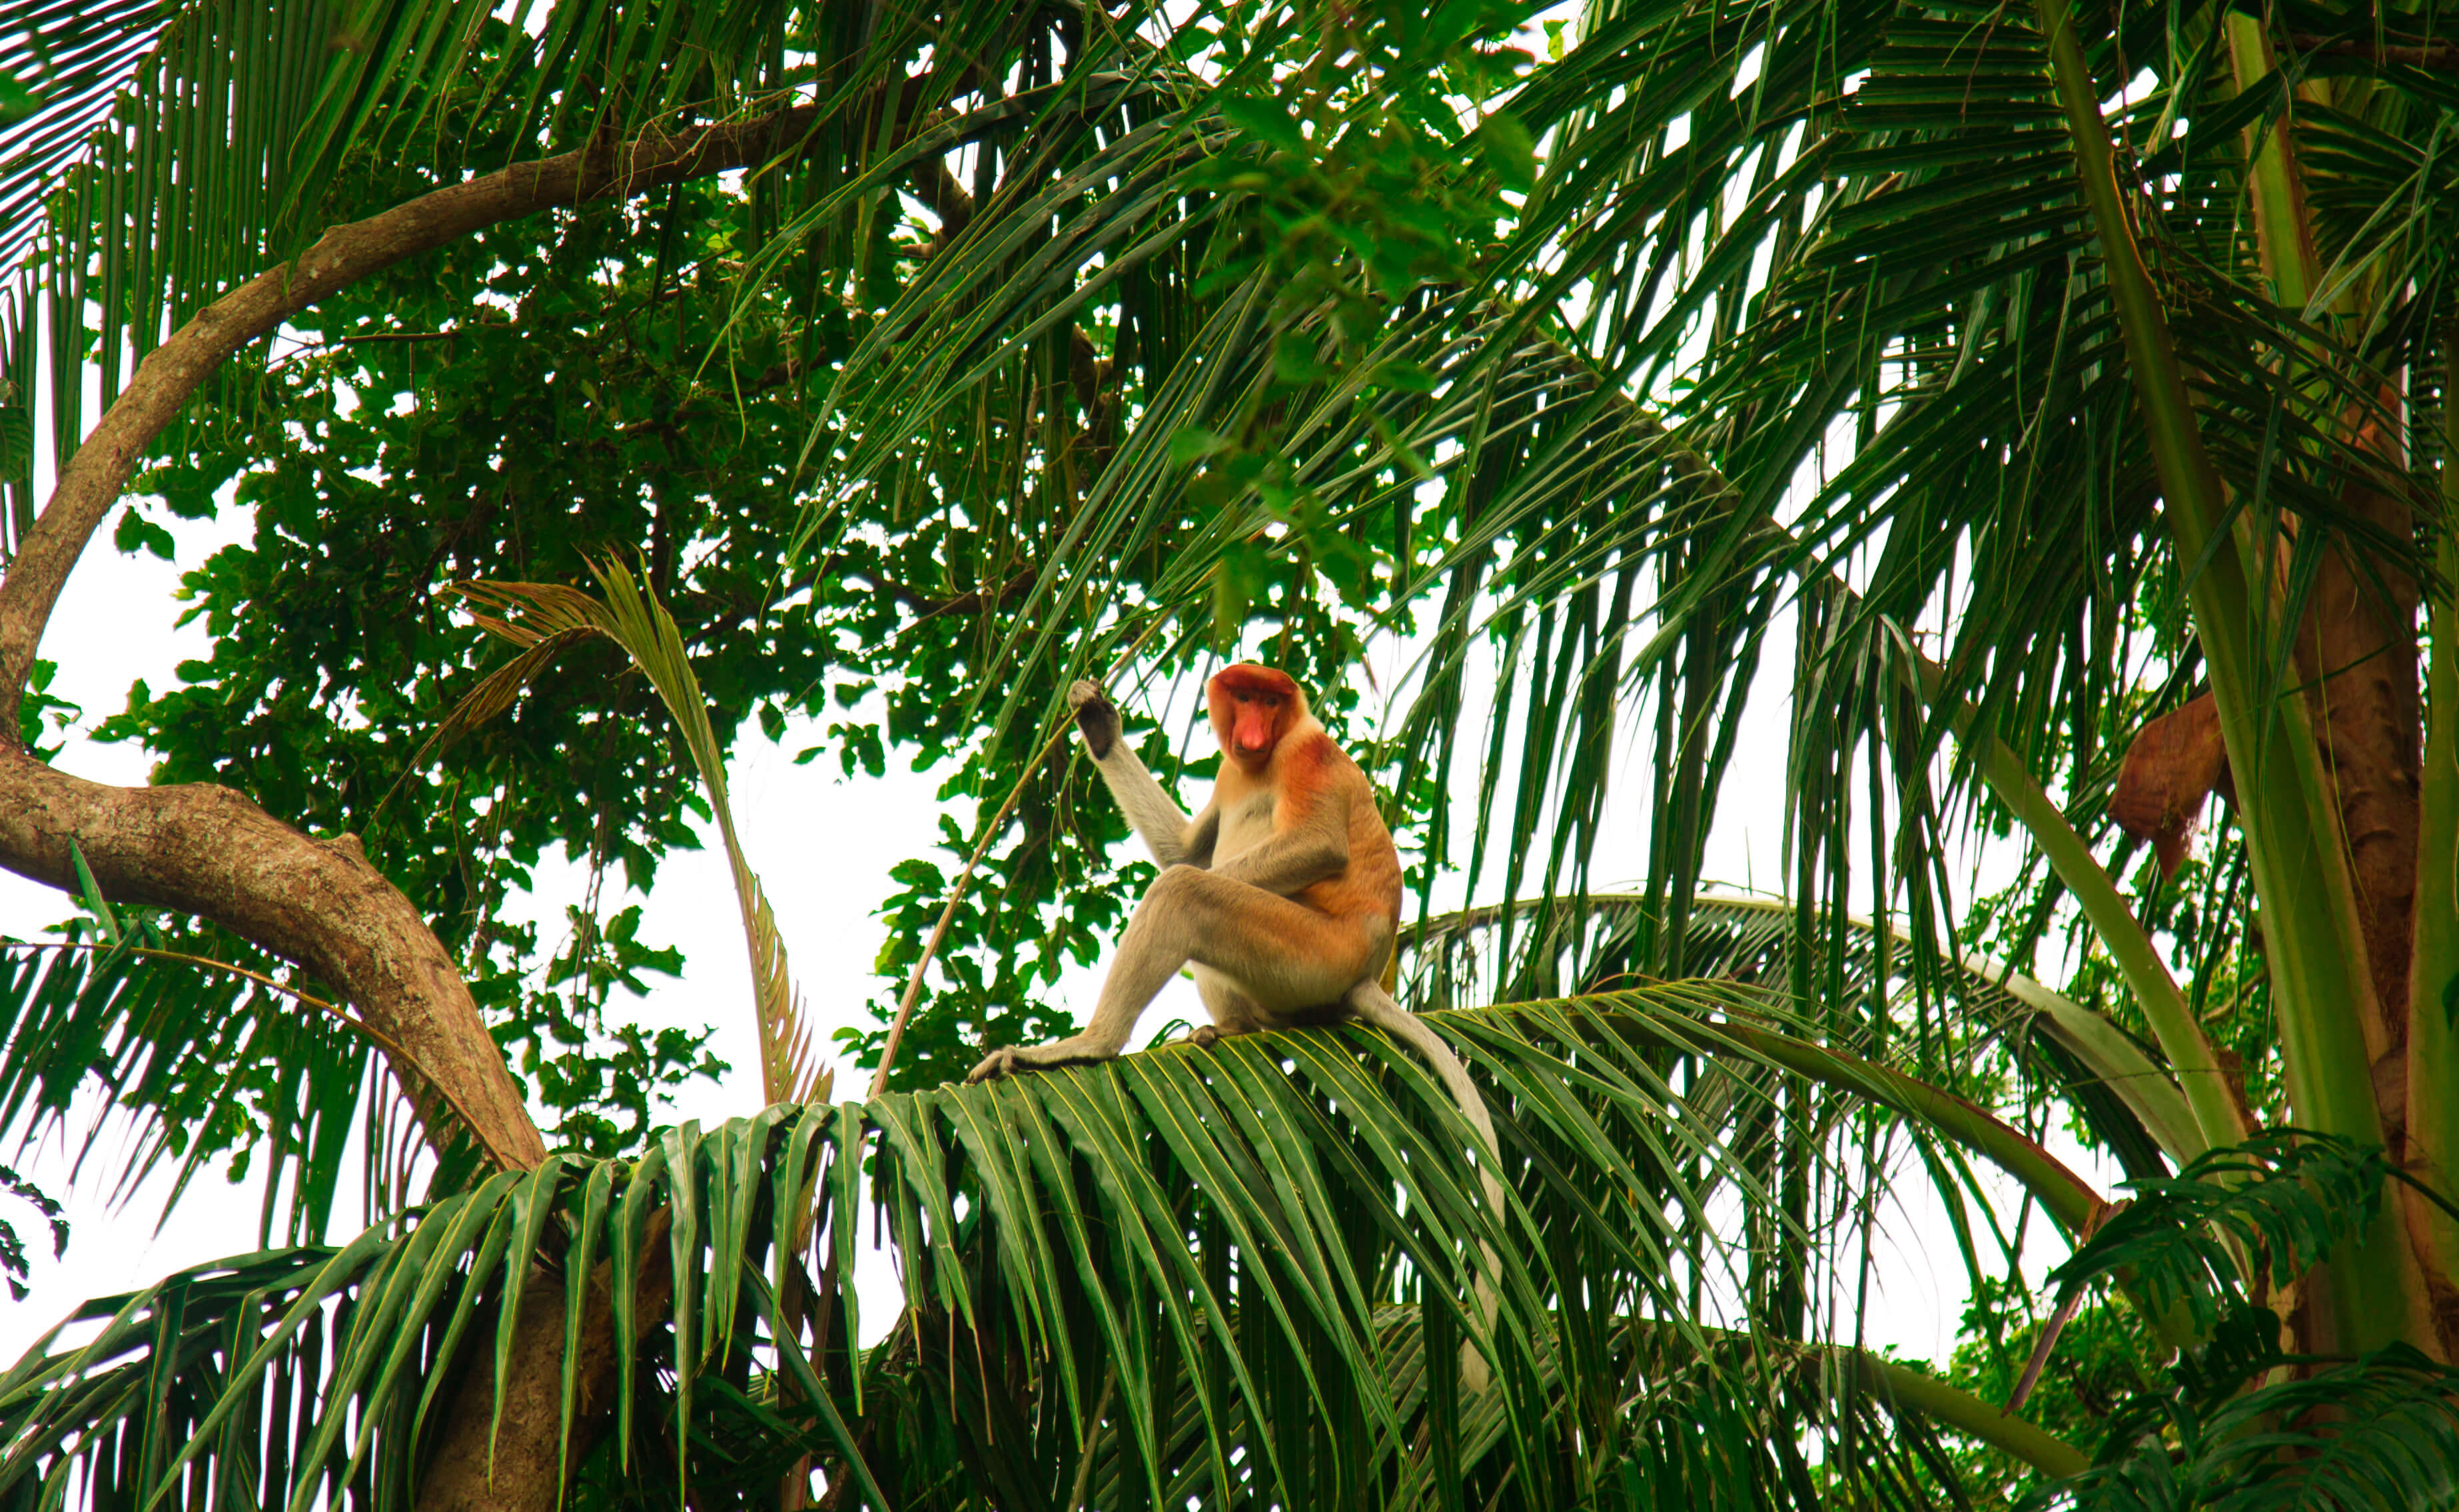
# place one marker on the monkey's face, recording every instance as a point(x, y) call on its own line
point(1252, 707)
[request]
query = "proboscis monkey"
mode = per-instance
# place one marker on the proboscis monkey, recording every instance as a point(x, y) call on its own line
point(1284, 895)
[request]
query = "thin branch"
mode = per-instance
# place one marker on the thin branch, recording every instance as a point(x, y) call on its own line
point(926, 606)
point(397, 336)
point(2440, 58)
point(948, 914)
point(964, 879)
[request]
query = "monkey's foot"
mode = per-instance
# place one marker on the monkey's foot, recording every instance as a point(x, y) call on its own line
point(1009, 1060)
point(1204, 1035)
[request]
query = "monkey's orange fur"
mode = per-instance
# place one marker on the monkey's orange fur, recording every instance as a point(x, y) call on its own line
point(1290, 788)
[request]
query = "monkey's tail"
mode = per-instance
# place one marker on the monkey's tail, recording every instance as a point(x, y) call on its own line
point(1372, 1004)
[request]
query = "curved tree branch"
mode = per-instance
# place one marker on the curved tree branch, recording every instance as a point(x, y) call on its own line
point(94, 479)
point(209, 851)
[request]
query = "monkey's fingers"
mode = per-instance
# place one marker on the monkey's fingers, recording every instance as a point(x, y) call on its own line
point(994, 1065)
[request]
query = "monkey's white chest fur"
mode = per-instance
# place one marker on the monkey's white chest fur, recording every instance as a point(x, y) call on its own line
point(1244, 826)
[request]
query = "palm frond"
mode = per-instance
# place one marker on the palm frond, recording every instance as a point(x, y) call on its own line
point(176, 151)
point(201, 1062)
point(549, 616)
point(1193, 1269)
point(1576, 946)
point(2267, 1211)
point(2378, 1432)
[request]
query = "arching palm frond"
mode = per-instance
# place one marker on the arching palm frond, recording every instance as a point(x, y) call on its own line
point(1571, 947)
point(1166, 1275)
point(543, 617)
point(188, 1052)
point(175, 151)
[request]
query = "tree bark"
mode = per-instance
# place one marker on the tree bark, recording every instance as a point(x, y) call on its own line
point(210, 852)
point(2356, 655)
point(486, 1462)
point(2357, 650)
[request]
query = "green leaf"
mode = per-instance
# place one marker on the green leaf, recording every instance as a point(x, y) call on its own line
point(1509, 148)
point(1192, 444)
point(89, 895)
point(1266, 119)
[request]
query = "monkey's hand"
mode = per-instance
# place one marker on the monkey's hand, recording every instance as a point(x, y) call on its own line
point(1095, 717)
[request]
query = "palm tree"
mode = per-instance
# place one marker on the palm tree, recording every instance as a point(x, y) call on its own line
point(2033, 372)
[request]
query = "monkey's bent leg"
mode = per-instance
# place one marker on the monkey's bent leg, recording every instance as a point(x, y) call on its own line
point(1283, 956)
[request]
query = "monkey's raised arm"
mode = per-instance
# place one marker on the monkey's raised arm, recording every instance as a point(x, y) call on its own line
point(1165, 828)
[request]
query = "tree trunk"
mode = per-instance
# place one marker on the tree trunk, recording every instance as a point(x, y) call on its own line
point(494, 1458)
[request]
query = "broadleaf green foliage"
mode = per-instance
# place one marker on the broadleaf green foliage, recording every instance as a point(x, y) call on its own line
point(42, 713)
point(14, 1267)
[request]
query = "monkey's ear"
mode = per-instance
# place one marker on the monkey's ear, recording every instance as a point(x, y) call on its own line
point(1096, 718)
